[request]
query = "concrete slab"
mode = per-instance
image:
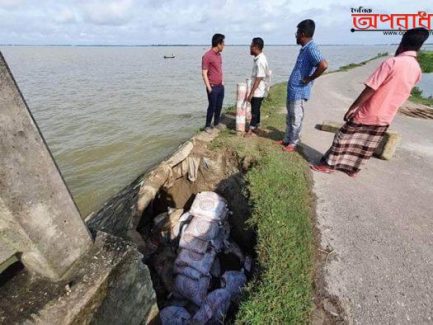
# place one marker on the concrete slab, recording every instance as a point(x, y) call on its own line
point(38, 218)
point(108, 285)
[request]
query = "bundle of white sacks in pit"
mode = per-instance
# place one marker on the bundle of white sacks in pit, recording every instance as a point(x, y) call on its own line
point(206, 235)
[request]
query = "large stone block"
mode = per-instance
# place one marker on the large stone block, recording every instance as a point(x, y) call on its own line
point(386, 148)
point(109, 285)
point(38, 217)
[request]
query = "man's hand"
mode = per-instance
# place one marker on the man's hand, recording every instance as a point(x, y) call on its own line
point(320, 68)
point(250, 96)
point(209, 89)
point(350, 114)
point(362, 98)
point(307, 80)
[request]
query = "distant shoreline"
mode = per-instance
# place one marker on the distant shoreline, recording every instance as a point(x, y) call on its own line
point(179, 45)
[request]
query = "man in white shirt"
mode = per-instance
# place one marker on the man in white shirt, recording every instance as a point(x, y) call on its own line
point(258, 79)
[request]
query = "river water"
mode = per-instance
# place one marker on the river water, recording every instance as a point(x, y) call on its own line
point(109, 113)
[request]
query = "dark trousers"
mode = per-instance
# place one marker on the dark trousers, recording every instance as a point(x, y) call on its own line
point(215, 98)
point(256, 103)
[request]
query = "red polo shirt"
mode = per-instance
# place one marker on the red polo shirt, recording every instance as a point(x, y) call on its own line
point(212, 62)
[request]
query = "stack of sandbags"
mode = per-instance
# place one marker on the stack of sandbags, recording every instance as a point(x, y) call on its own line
point(199, 243)
point(205, 236)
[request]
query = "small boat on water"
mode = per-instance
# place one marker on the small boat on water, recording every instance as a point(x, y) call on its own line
point(169, 56)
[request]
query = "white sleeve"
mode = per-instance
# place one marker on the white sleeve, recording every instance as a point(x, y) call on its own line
point(261, 69)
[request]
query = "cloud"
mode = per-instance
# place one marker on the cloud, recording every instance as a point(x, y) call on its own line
point(66, 16)
point(184, 21)
point(10, 4)
point(113, 13)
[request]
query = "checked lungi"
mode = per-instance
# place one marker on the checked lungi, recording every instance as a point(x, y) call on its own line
point(353, 145)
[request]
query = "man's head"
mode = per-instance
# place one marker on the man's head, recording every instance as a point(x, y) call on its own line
point(218, 42)
point(412, 40)
point(256, 46)
point(305, 31)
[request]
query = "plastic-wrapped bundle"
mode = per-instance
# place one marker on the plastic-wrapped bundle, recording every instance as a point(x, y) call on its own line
point(200, 262)
point(241, 91)
point(203, 228)
point(193, 290)
point(233, 281)
point(194, 244)
point(187, 271)
point(248, 115)
point(209, 205)
point(214, 308)
point(174, 315)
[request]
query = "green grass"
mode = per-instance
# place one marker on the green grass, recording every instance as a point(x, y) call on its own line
point(416, 96)
point(355, 65)
point(279, 191)
point(425, 59)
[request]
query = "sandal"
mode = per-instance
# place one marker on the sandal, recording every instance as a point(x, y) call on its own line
point(322, 169)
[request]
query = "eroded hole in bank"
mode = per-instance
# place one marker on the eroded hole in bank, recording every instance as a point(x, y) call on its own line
point(199, 290)
point(10, 272)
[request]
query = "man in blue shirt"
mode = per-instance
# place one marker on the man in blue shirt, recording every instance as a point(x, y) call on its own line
point(310, 64)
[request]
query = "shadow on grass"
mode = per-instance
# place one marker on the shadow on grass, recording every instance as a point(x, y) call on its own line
point(273, 134)
point(311, 155)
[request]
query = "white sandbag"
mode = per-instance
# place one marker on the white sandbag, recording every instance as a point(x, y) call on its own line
point(193, 243)
point(233, 281)
point(214, 308)
point(203, 228)
point(200, 262)
point(209, 205)
point(193, 290)
point(174, 315)
point(187, 271)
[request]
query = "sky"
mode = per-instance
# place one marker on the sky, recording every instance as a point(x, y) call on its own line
point(145, 22)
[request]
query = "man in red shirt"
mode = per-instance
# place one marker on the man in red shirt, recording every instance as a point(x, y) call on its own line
point(372, 112)
point(213, 79)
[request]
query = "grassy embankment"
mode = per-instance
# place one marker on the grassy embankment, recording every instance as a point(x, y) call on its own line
point(279, 191)
point(355, 65)
point(425, 59)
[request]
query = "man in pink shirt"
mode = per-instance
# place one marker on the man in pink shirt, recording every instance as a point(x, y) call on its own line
point(370, 115)
point(213, 80)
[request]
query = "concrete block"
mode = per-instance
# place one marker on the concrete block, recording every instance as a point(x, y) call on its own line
point(38, 217)
point(7, 256)
point(108, 285)
point(386, 148)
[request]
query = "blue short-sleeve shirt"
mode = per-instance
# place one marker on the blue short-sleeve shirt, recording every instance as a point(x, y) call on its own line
point(308, 58)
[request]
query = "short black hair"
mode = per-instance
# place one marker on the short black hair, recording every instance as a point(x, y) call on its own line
point(307, 27)
point(414, 38)
point(217, 39)
point(258, 42)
